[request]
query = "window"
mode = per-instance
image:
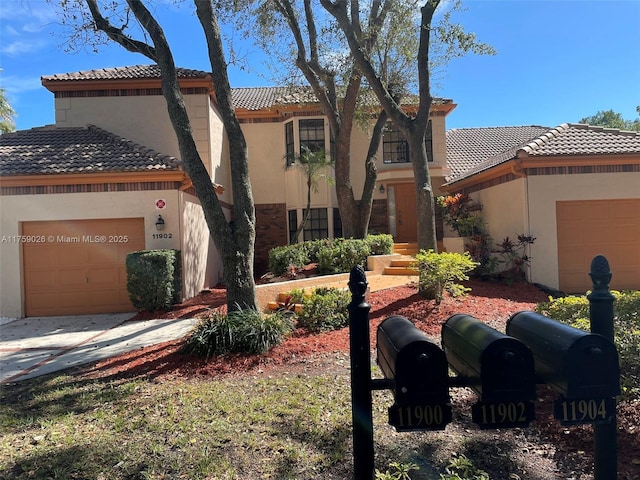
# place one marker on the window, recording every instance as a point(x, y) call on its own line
point(395, 148)
point(293, 226)
point(318, 225)
point(337, 223)
point(289, 143)
point(312, 134)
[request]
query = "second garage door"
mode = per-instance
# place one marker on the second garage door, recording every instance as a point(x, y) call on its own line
point(77, 267)
point(589, 228)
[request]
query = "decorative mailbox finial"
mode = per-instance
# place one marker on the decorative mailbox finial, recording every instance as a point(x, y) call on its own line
point(357, 282)
point(600, 273)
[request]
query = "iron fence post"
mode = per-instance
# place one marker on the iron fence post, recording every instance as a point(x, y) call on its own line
point(601, 318)
point(361, 398)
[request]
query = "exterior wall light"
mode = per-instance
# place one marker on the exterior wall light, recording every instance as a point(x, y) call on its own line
point(160, 223)
point(381, 188)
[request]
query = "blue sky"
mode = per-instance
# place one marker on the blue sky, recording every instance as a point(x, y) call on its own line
point(558, 61)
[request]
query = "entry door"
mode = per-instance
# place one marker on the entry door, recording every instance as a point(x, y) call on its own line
point(406, 216)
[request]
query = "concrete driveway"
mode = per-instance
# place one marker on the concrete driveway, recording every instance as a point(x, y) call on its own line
point(30, 347)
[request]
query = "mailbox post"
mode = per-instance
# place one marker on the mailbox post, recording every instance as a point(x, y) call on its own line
point(601, 315)
point(360, 353)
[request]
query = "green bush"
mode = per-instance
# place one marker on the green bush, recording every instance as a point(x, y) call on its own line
point(342, 256)
point(574, 310)
point(441, 271)
point(461, 468)
point(242, 331)
point(286, 256)
point(325, 309)
point(381, 244)
point(154, 278)
point(332, 256)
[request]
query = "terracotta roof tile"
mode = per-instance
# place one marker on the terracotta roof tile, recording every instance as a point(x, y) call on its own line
point(53, 150)
point(471, 151)
point(468, 147)
point(122, 73)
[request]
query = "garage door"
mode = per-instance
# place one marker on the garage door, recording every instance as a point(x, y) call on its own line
point(589, 228)
point(78, 267)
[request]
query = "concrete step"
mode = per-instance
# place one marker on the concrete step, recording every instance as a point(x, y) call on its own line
point(407, 248)
point(403, 266)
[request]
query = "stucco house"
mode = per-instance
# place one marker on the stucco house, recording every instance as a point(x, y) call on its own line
point(106, 179)
point(576, 188)
point(79, 195)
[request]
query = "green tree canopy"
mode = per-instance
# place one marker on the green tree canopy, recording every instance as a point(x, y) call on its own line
point(611, 119)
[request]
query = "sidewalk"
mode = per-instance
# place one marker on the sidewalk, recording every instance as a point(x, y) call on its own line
point(30, 347)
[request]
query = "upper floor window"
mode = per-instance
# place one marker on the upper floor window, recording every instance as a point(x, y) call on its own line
point(289, 143)
point(312, 134)
point(395, 148)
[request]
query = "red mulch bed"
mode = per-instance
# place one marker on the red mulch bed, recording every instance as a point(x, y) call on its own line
point(490, 302)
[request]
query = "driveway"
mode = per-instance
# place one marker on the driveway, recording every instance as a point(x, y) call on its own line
point(30, 347)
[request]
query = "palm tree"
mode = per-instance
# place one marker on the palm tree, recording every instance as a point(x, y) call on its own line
point(6, 114)
point(312, 163)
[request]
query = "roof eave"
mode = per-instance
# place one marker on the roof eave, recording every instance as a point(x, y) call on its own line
point(38, 180)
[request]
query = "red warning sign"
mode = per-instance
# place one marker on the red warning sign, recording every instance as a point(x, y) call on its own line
point(160, 204)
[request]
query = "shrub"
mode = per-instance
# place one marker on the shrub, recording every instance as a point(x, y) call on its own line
point(381, 244)
point(512, 255)
point(399, 471)
point(461, 468)
point(342, 256)
point(153, 278)
point(242, 331)
point(441, 271)
point(574, 310)
point(286, 256)
point(325, 309)
point(458, 212)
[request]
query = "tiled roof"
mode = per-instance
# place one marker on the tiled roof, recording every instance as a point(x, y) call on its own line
point(471, 151)
point(257, 98)
point(251, 98)
point(467, 147)
point(53, 150)
point(123, 73)
point(579, 139)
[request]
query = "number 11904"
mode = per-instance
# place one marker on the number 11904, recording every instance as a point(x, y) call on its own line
point(578, 411)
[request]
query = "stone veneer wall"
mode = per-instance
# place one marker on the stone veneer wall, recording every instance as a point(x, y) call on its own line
point(271, 231)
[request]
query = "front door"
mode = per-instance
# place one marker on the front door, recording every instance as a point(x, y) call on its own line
point(406, 216)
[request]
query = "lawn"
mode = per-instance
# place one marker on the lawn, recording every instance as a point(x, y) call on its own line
point(157, 414)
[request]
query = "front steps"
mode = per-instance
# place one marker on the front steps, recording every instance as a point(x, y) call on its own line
point(407, 248)
point(402, 266)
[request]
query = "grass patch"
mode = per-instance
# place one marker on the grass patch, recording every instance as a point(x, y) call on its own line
point(218, 428)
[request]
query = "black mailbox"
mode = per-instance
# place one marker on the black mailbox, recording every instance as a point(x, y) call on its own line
point(582, 366)
point(500, 368)
point(419, 377)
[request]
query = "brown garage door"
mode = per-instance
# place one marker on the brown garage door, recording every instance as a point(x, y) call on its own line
point(77, 267)
point(589, 228)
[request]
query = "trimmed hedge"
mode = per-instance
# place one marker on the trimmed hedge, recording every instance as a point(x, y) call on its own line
point(154, 278)
point(333, 256)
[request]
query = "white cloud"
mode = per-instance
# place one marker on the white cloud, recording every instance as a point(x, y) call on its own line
point(27, 23)
point(15, 85)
